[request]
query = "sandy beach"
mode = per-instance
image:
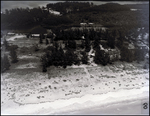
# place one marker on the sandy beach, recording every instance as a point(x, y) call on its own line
point(26, 90)
point(110, 103)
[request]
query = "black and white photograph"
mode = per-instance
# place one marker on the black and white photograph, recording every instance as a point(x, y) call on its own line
point(75, 57)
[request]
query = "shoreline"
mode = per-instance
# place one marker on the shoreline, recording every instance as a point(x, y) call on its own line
point(133, 106)
point(73, 96)
point(111, 96)
point(84, 102)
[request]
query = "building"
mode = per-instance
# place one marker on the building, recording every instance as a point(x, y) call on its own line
point(83, 24)
point(87, 24)
point(36, 31)
point(11, 34)
point(91, 24)
point(35, 35)
point(142, 46)
point(114, 54)
point(54, 12)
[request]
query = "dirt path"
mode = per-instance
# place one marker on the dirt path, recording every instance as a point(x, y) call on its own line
point(88, 74)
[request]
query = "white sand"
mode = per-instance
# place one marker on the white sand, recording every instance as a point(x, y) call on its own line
point(73, 88)
point(78, 103)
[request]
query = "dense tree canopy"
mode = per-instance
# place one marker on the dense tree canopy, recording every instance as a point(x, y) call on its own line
point(73, 13)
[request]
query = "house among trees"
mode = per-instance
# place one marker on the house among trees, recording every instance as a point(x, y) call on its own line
point(78, 42)
point(129, 46)
point(90, 23)
point(36, 31)
point(140, 45)
point(114, 54)
point(35, 35)
point(11, 34)
point(86, 24)
point(54, 12)
point(83, 24)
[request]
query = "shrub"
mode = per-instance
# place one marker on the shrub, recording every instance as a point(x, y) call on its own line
point(87, 45)
point(56, 46)
point(76, 60)
point(146, 66)
point(44, 68)
point(72, 44)
point(14, 47)
point(42, 36)
point(126, 54)
point(139, 55)
point(6, 44)
point(28, 35)
point(44, 60)
point(96, 43)
point(41, 39)
point(5, 63)
point(84, 58)
point(36, 48)
point(47, 42)
point(69, 57)
point(49, 48)
point(13, 55)
point(64, 66)
point(101, 57)
point(82, 45)
point(23, 50)
point(66, 45)
point(111, 42)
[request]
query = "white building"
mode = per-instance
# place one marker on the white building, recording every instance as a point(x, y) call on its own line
point(83, 24)
point(11, 34)
point(35, 35)
point(54, 12)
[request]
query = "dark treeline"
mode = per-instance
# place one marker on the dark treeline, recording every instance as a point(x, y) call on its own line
point(76, 34)
point(73, 7)
point(73, 13)
point(55, 55)
point(109, 7)
point(92, 34)
point(69, 7)
point(22, 18)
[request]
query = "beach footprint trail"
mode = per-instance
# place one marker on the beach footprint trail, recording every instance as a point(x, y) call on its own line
point(88, 74)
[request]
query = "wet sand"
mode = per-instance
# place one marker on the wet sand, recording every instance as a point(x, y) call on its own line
point(126, 107)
